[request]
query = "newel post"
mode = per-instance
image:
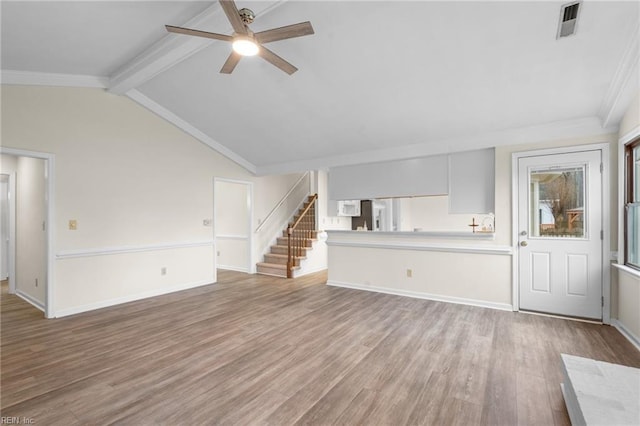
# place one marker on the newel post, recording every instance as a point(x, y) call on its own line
point(289, 254)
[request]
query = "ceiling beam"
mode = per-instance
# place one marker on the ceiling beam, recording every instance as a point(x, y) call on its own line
point(624, 84)
point(174, 48)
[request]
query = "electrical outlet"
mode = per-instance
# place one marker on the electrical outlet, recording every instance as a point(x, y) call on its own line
point(163, 271)
point(218, 253)
point(409, 273)
point(206, 222)
point(36, 282)
point(73, 224)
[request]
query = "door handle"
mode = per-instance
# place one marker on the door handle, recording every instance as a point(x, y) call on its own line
point(524, 243)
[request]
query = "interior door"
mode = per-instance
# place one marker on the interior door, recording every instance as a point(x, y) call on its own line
point(560, 234)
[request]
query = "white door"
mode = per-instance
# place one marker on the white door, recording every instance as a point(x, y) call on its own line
point(232, 224)
point(560, 234)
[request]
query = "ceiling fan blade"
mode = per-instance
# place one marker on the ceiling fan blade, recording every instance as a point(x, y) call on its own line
point(289, 31)
point(230, 9)
point(231, 63)
point(276, 60)
point(198, 33)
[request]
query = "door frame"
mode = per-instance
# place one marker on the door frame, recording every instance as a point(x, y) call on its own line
point(49, 193)
point(11, 263)
point(251, 266)
point(606, 219)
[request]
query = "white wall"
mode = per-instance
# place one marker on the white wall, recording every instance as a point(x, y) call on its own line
point(138, 187)
point(30, 231)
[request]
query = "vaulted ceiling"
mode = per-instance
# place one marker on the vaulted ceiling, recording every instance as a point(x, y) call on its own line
point(378, 79)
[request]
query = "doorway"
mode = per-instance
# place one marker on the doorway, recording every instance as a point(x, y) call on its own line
point(30, 253)
point(232, 219)
point(559, 230)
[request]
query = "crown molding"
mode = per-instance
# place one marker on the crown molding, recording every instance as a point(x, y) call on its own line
point(172, 118)
point(30, 78)
point(586, 126)
point(173, 48)
point(624, 84)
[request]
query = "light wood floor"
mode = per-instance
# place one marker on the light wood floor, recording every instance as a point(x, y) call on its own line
point(260, 350)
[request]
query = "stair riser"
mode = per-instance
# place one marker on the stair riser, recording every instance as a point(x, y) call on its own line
point(269, 271)
point(280, 260)
point(283, 250)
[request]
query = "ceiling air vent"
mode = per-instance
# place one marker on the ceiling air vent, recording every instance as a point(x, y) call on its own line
point(568, 19)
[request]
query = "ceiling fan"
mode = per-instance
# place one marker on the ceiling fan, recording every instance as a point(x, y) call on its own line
point(247, 43)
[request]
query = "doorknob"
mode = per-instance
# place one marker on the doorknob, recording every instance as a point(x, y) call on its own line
point(523, 243)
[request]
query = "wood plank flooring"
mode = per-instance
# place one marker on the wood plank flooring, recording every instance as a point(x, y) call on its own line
point(263, 350)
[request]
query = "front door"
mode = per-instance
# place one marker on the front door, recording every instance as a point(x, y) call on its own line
point(560, 234)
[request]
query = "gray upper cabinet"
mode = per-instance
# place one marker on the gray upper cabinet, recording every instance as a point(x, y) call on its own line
point(472, 181)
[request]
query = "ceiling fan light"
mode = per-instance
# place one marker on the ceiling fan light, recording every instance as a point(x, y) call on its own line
point(245, 47)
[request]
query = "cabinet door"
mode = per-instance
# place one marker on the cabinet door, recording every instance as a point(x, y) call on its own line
point(349, 208)
point(472, 181)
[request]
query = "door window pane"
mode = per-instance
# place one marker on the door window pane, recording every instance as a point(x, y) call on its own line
point(636, 174)
point(557, 207)
point(633, 231)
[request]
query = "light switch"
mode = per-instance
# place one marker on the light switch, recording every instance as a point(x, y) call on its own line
point(73, 224)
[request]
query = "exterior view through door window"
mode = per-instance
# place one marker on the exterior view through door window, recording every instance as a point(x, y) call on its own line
point(558, 203)
point(632, 205)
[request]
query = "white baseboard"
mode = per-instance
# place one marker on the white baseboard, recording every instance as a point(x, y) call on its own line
point(635, 340)
point(30, 300)
point(233, 268)
point(130, 298)
point(427, 296)
point(302, 273)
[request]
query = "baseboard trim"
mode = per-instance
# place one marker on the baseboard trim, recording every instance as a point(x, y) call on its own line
point(635, 340)
point(427, 296)
point(130, 298)
point(102, 251)
point(233, 268)
point(30, 300)
point(310, 271)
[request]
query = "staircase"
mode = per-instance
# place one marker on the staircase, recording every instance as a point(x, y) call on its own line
point(303, 234)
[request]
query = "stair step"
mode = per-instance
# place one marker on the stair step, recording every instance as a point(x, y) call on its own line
point(308, 242)
point(274, 269)
point(283, 249)
point(281, 259)
point(597, 392)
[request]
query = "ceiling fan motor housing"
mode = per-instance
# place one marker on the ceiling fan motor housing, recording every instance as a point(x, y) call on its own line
point(246, 15)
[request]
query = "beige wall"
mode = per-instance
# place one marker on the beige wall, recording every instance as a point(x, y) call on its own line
point(628, 284)
point(631, 119)
point(131, 180)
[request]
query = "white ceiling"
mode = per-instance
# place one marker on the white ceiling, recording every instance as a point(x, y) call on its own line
point(377, 79)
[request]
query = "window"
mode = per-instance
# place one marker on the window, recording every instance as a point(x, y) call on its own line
point(632, 205)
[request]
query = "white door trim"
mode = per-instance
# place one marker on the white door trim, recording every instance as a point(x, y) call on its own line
point(606, 219)
point(49, 302)
point(11, 255)
point(251, 266)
